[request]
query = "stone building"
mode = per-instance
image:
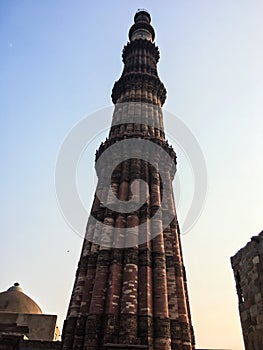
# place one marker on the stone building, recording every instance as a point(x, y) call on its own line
point(247, 265)
point(130, 289)
point(23, 324)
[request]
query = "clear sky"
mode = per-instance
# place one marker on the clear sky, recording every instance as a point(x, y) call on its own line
point(59, 60)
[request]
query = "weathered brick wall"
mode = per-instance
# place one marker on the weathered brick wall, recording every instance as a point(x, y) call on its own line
point(248, 271)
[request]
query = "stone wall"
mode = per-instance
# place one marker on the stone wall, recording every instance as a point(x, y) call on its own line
point(39, 345)
point(247, 265)
point(40, 327)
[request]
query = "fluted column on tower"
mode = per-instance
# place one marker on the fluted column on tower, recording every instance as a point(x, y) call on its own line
point(130, 285)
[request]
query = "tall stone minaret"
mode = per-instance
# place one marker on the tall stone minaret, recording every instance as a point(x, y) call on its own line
point(130, 289)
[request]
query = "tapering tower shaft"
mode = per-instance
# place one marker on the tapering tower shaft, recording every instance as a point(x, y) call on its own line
point(130, 285)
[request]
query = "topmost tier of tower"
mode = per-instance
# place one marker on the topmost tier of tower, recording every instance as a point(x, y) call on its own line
point(139, 81)
point(142, 15)
point(142, 29)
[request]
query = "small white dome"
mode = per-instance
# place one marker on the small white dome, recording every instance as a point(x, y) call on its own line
point(15, 300)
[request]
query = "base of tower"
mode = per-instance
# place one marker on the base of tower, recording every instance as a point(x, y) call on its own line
point(124, 347)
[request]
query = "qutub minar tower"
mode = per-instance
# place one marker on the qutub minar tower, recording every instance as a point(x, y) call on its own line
point(133, 295)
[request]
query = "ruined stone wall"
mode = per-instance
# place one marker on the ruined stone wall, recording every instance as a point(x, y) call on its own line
point(247, 265)
point(40, 327)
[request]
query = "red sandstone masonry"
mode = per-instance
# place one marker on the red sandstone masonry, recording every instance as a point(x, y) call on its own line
point(135, 295)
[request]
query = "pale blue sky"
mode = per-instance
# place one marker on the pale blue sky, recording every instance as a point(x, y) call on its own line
point(59, 60)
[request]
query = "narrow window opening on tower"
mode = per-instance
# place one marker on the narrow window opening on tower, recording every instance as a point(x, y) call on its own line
point(239, 288)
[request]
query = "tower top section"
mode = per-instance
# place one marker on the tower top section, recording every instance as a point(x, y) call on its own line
point(142, 29)
point(139, 81)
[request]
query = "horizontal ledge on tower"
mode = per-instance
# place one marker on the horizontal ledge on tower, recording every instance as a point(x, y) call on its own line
point(125, 346)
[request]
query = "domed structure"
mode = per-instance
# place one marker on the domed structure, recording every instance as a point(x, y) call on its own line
point(20, 316)
point(15, 300)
